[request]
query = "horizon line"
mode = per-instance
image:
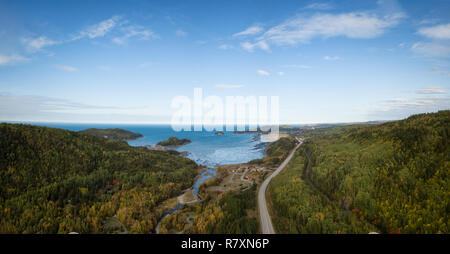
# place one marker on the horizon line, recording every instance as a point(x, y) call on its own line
point(168, 123)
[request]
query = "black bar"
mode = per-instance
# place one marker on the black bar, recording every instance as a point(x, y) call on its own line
point(242, 243)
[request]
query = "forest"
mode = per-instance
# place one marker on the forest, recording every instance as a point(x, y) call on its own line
point(276, 152)
point(230, 213)
point(114, 133)
point(58, 181)
point(386, 178)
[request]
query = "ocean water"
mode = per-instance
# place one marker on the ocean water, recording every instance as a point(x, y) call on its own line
point(206, 148)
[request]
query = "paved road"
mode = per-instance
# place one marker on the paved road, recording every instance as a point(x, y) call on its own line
point(264, 216)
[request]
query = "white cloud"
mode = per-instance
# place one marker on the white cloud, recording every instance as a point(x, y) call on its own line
point(415, 102)
point(432, 90)
point(39, 108)
point(251, 46)
point(228, 86)
point(319, 6)
point(362, 25)
point(125, 31)
point(12, 106)
point(436, 32)
point(440, 72)
point(263, 73)
point(247, 46)
point(431, 49)
point(134, 31)
point(119, 40)
point(439, 47)
point(303, 29)
point(180, 33)
point(36, 44)
point(122, 27)
point(403, 107)
point(280, 73)
point(225, 46)
point(13, 59)
point(66, 68)
point(331, 58)
point(100, 29)
point(429, 21)
point(201, 42)
point(431, 99)
point(249, 31)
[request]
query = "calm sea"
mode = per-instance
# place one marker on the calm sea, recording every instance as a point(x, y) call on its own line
point(206, 148)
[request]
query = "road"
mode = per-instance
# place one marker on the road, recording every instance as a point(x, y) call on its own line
point(264, 216)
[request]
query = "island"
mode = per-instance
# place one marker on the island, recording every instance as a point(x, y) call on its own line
point(174, 141)
point(247, 131)
point(112, 134)
point(219, 133)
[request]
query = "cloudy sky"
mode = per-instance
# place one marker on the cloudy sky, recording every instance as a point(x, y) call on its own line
point(328, 61)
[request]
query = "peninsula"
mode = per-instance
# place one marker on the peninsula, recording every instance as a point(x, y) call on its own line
point(112, 134)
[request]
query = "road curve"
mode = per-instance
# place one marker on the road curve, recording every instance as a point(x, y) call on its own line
point(264, 216)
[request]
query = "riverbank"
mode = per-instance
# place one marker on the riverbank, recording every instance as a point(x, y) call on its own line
point(189, 196)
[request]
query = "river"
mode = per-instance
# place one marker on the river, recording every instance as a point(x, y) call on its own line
point(205, 175)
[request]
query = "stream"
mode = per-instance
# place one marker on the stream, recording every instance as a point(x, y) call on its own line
point(205, 175)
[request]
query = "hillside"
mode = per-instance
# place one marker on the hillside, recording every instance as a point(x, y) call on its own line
point(113, 134)
point(58, 181)
point(390, 178)
point(276, 152)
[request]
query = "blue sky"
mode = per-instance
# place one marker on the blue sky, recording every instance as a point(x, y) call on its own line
point(328, 61)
